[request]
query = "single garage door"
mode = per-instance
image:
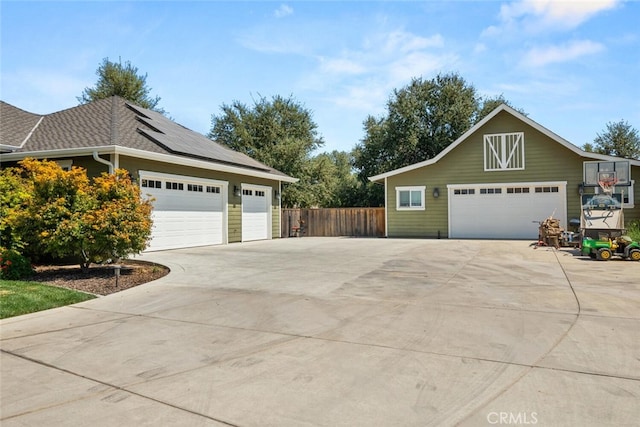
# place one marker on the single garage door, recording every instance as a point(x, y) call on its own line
point(256, 221)
point(504, 211)
point(187, 211)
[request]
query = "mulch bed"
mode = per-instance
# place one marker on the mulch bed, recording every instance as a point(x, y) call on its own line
point(100, 279)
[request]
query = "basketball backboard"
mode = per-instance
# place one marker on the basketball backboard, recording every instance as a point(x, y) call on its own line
point(594, 172)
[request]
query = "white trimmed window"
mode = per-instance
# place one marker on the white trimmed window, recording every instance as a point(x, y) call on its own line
point(627, 195)
point(65, 164)
point(627, 192)
point(410, 198)
point(504, 151)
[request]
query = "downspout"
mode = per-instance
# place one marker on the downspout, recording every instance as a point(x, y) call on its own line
point(103, 161)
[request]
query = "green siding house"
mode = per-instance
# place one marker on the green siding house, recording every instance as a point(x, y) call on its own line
point(204, 193)
point(499, 180)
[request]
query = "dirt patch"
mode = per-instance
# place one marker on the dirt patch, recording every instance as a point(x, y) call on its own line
point(101, 279)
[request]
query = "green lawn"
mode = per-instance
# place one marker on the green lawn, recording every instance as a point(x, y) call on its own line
point(17, 297)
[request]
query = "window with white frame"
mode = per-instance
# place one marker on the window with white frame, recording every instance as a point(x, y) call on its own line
point(65, 164)
point(504, 151)
point(627, 192)
point(410, 198)
point(627, 195)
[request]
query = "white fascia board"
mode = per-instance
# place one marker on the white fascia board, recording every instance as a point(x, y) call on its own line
point(522, 117)
point(202, 164)
point(159, 157)
point(53, 154)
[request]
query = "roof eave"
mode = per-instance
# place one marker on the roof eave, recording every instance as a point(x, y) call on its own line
point(132, 152)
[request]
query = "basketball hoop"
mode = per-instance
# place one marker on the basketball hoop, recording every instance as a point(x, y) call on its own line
point(607, 184)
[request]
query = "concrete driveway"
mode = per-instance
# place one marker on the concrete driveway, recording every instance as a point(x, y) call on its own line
point(330, 331)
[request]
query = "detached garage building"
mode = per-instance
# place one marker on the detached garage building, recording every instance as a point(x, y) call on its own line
point(497, 181)
point(205, 194)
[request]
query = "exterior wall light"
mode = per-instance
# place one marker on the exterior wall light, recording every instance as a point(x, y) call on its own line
point(581, 188)
point(236, 191)
point(436, 192)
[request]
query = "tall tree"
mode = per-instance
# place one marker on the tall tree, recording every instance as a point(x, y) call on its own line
point(422, 119)
point(279, 132)
point(117, 79)
point(335, 183)
point(619, 139)
point(491, 103)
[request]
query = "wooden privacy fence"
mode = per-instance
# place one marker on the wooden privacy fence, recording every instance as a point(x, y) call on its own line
point(333, 222)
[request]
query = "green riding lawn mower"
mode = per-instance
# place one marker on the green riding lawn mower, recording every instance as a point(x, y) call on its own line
point(604, 250)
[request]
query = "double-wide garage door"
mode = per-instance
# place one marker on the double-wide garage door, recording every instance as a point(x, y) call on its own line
point(504, 211)
point(187, 211)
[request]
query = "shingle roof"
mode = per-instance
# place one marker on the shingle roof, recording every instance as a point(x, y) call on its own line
point(112, 122)
point(16, 124)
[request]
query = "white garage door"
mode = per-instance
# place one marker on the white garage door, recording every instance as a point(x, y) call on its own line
point(256, 221)
point(187, 211)
point(504, 211)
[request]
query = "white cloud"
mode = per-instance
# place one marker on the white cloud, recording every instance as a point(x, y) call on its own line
point(541, 56)
point(545, 15)
point(419, 64)
point(568, 13)
point(341, 66)
point(403, 42)
point(558, 88)
point(282, 11)
point(479, 48)
point(362, 79)
point(364, 96)
point(261, 41)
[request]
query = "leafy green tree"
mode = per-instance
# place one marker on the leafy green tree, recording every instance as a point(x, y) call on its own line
point(119, 223)
point(12, 195)
point(619, 139)
point(491, 103)
point(333, 182)
point(280, 133)
point(63, 213)
point(116, 79)
point(55, 198)
point(422, 119)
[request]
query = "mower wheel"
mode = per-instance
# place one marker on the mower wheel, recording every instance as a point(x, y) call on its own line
point(604, 254)
point(634, 254)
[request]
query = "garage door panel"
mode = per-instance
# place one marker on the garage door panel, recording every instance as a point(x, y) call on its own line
point(504, 215)
point(187, 211)
point(182, 229)
point(184, 200)
point(255, 213)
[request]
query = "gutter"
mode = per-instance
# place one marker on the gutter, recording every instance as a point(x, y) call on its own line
point(141, 154)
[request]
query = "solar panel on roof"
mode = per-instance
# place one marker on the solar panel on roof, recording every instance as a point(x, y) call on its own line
point(181, 140)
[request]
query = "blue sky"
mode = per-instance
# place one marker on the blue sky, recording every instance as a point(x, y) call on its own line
point(572, 66)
